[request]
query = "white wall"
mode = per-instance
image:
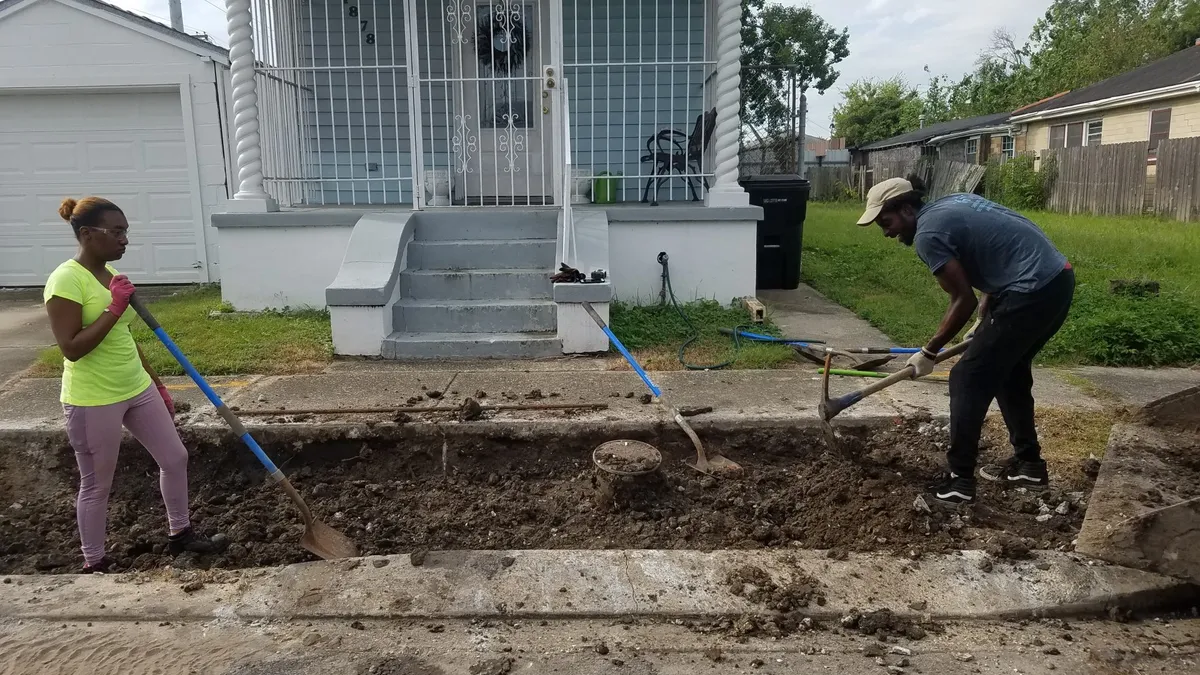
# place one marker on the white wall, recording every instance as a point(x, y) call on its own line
point(303, 260)
point(709, 259)
point(53, 46)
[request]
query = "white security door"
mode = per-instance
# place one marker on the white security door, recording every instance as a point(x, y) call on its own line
point(128, 147)
point(501, 110)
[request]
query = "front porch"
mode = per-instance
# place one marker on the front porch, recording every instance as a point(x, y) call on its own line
point(360, 125)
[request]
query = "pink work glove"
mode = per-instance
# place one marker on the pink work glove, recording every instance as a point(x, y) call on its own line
point(166, 397)
point(122, 289)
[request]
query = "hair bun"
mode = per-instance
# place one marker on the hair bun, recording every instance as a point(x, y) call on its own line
point(67, 208)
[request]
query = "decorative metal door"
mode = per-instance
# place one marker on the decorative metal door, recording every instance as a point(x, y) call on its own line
point(489, 117)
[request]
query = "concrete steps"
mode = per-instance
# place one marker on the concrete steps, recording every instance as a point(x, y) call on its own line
point(477, 285)
point(483, 284)
point(471, 346)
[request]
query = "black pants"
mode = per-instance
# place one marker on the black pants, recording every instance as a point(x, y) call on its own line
point(999, 365)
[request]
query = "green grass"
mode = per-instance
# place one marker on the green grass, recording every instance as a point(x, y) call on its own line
point(884, 282)
point(268, 343)
point(653, 333)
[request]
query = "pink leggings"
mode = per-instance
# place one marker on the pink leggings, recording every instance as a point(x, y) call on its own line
point(95, 434)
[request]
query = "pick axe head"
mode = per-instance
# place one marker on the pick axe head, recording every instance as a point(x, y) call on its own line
point(829, 408)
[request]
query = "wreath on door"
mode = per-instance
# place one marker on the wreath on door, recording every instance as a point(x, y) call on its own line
point(501, 40)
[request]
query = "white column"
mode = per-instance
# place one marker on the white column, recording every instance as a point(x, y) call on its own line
point(250, 195)
point(727, 99)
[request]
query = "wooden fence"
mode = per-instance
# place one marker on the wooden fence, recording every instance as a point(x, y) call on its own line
point(1103, 180)
point(1177, 179)
point(950, 177)
point(831, 183)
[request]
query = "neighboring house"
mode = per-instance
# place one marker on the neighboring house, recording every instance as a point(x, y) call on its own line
point(968, 140)
point(1157, 101)
point(96, 100)
point(421, 167)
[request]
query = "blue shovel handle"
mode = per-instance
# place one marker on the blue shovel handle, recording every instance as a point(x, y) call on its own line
point(223, 410)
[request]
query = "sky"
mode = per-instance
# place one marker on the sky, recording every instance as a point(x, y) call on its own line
point(887, 37)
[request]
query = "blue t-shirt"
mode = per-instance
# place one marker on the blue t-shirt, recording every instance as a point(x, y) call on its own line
point(1001, 250)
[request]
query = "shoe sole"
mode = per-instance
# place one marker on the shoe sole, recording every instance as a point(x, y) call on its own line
point(1014, 484)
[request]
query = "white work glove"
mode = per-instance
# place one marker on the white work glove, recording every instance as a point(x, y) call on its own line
point(974, 327)
point(922, 362)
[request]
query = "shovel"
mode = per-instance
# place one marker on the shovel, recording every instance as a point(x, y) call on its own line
point(319, 539)
point(706, 463)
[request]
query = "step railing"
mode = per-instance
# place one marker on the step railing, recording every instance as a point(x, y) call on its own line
point(569, 252)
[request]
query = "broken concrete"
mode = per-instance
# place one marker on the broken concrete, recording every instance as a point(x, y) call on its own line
point(1140, 514)
point(594, 584)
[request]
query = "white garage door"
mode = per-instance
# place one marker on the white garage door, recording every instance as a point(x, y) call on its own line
point(128, 147)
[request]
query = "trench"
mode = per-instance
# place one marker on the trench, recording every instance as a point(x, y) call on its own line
point(399, 489)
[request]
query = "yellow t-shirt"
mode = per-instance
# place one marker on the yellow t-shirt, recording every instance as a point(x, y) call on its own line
point(112, 372)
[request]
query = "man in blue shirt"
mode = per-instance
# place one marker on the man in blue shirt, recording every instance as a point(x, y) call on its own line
point(1027, 286)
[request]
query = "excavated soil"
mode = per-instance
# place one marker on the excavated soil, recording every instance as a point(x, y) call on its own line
point(536, 493)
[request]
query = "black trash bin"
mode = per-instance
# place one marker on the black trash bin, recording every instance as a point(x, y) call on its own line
point(784, 201)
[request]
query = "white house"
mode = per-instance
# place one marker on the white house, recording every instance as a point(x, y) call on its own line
point(421, 167)
point(96, 100)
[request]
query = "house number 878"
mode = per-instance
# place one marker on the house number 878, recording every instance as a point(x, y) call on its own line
point(352, 12)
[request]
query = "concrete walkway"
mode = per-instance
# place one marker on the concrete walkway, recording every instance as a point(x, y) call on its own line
point(24, 331)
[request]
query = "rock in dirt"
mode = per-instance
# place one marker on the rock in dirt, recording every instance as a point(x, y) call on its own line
point(481, 394)
point(535, 395)
point(884, 623)
point(470, 411)
point(1090, 467)
point(501, 666)
point(399, 665)
point(964, 657)
point(401, 418)
point(873, 650)
point(602, 649)
point(435, 395)
point(192, 587)
point(918, 606)
point(379, 562)
point(358, 625)
point(693, 411)
point(646, 399)
point(417, 558)
point(507, 561)
point(183, 407)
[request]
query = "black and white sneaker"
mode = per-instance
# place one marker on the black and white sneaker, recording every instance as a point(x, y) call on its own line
point(1017, 473)
point(953, 490)
point(193, 541)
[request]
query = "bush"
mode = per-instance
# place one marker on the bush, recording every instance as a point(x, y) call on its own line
point(1111, 330)
point(1016, 184)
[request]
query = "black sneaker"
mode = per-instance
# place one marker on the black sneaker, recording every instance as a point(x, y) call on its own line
point(1017, 473)
point(190, 540)
point(953, 490)
point(101, 567)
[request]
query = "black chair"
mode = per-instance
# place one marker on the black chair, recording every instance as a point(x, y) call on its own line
point(669, 154)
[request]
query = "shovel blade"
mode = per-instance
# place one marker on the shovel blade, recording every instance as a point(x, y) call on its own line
point(716, 465)
point(327, 543)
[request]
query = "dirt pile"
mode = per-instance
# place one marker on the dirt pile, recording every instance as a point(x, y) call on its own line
point(507, 495)
point(756, 585)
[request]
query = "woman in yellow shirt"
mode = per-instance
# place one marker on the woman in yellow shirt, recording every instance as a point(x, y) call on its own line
point(107, 383)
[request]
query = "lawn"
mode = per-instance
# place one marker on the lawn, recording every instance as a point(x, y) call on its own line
point(267, 343)
point(884, 282)
point(654, 334)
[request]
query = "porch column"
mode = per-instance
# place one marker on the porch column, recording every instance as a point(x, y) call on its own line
point(727, 99)
point(250, 195)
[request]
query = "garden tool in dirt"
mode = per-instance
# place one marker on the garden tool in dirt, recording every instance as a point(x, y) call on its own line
point(845, 372)
point(707, 463)
point(319, 539)
point(830, 408)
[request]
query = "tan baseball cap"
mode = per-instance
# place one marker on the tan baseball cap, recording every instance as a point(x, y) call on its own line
point(892, 187)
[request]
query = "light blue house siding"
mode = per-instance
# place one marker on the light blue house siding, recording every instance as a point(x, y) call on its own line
point(623, 63)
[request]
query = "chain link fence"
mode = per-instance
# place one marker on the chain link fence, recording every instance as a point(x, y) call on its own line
point(772, 133)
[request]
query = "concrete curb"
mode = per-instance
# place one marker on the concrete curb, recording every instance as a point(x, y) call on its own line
point(580, 584)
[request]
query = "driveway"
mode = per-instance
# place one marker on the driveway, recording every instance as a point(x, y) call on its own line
point(24, 331)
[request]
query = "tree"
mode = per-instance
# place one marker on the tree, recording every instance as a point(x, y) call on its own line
point(873, 110)
point(780, 42)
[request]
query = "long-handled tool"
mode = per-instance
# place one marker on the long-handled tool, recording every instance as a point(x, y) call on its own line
point(320, 539)
point(708, 463)
point(830, 408)
point(846, 372)
point(813, 350)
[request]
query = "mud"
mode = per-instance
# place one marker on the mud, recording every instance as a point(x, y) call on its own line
point(403, 494)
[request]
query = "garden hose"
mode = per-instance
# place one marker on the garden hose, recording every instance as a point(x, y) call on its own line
point(667, 290)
